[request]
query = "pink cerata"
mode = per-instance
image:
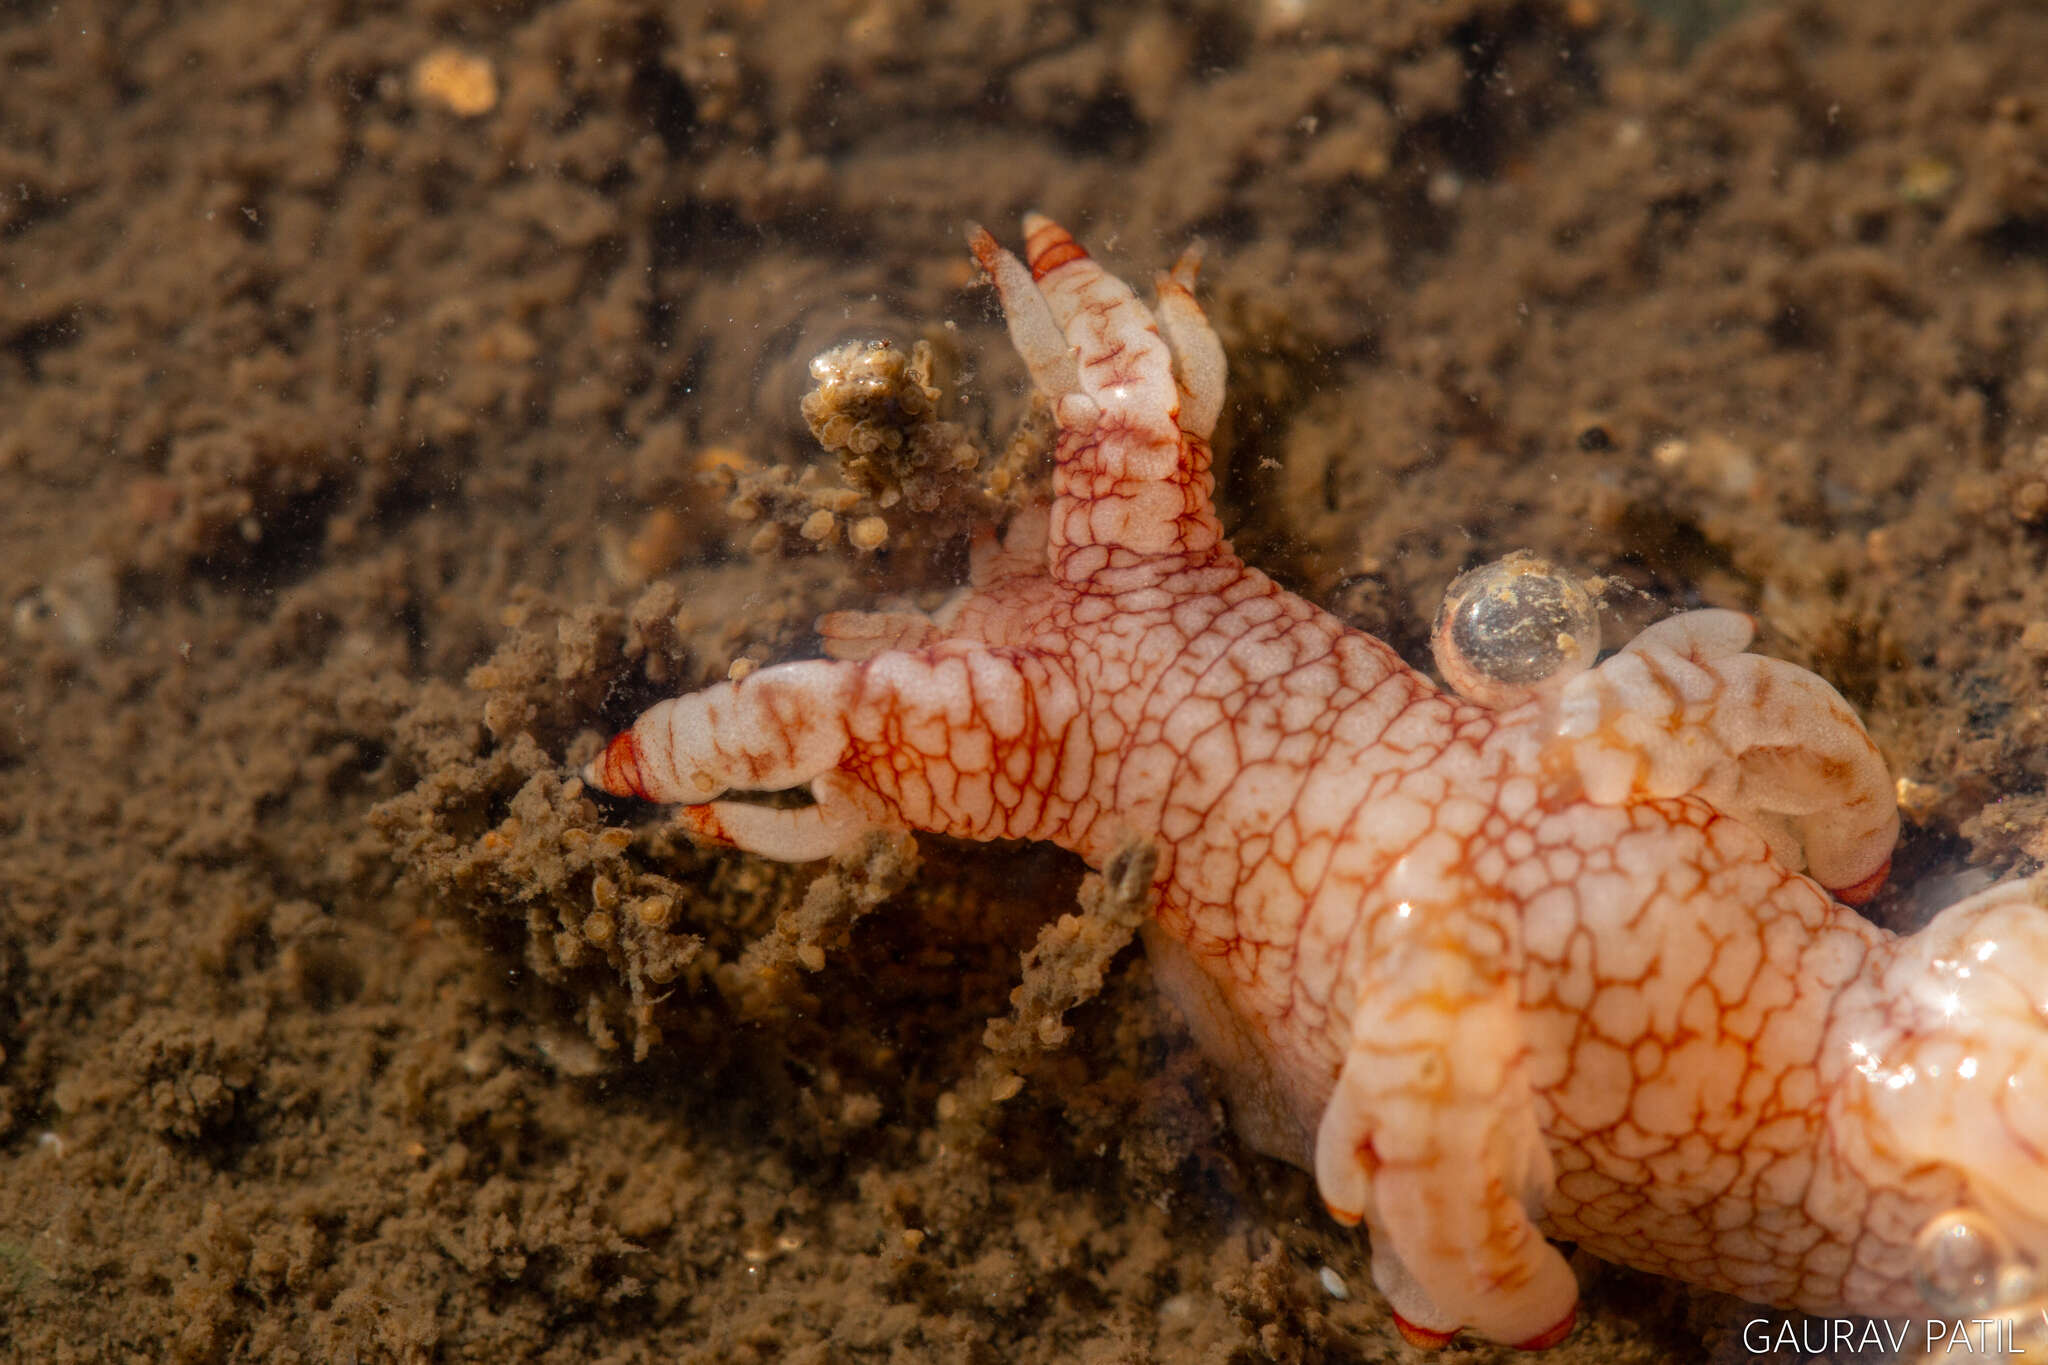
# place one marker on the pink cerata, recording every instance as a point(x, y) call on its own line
point(1563, 952)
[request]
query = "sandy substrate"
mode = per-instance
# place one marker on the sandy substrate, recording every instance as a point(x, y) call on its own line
point(395, 398)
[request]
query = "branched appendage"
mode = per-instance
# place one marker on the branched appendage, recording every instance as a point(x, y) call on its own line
point(1133, 465)
point(1536, 959)
point(1680, 710)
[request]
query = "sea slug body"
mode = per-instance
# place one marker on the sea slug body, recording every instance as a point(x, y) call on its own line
point(1562, 952)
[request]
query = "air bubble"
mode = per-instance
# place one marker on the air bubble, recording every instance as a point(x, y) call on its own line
point(1513, 629)
point(1962, 1263)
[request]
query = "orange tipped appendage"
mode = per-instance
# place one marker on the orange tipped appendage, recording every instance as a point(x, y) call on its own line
point(1048, 246)
point(1543, 1341)
point(618, 769)
point(1422, 1338)
point(986, 249)
point(1862, 892)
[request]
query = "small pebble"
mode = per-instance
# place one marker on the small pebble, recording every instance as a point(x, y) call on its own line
point(869, 533)
point(818, 526)
point(460, 82)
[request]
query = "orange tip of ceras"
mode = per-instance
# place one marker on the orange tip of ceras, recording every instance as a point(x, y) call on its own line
point(985, 248)
point(1424, 1338)
point(1048, 246)
point(1862, 891)
point(1543, 1341)
point(1345, 1217)
point(616, 771)
point(1429, 1339)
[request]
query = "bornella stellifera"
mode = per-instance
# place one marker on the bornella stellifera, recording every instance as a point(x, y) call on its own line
point(1566, 951)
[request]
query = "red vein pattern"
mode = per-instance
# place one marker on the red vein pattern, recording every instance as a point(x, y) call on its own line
point(1491, 973)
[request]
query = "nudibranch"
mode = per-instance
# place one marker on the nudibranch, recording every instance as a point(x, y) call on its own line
point(1563, 952)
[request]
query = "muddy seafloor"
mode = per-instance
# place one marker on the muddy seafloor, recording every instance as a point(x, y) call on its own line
point(375, 436)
